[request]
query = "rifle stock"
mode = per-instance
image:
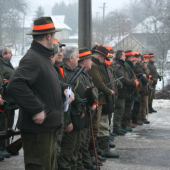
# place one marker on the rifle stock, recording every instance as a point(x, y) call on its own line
point(15, 146)
point(75, 75)
point(7, 134)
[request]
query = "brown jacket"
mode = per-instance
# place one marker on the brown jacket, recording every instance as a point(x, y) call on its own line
point(99, 81)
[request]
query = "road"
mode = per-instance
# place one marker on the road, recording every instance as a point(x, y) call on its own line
point(146, 148)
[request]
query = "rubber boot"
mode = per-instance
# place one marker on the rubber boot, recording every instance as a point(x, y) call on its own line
point(129, 129)
point(104, 145)
point(152, 109)
point(1, 158)
point(4, 153)
point(111, 144)
point(98, 150)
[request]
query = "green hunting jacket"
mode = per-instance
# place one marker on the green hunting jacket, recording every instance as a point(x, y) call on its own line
point(130, 70)
point(7, 70)
point(153, 72)
point(120, 71)
point(65, 78)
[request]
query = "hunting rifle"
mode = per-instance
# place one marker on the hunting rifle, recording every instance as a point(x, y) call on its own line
point(101, 93)
point(75, 75)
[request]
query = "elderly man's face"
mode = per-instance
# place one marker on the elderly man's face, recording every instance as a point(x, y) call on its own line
point(7, 56)
point(74, 61)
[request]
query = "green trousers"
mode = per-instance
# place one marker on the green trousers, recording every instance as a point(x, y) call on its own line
point(84, 159)
point(118, 114)
point(59, 140)
point(40, 149)
point(104, 125)
point(70, 147)
point(151, 94)
point(127, 114)
point(143, 106)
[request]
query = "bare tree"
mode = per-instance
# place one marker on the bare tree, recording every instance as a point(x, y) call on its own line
point(10, 17)
point(158, 25)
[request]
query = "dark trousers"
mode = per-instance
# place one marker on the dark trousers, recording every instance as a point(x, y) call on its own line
point(84, 159)
point(118, 114)
point(40, 149)
point(70, 147)
point(127, 114)
point(135, 112)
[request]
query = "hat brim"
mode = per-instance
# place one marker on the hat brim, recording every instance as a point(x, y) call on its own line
point(84, 57)
point(45, 32)
point(101, 54)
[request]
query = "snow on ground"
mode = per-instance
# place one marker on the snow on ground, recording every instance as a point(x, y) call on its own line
point(161, 103)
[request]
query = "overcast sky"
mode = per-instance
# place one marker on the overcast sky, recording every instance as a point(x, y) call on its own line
point(110, 4)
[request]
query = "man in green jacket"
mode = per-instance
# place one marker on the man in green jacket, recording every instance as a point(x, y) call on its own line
point(68, 126)
point(126, 120)
point(123, 93)
point(155, 77)
point(7, 70)
point(71, 142)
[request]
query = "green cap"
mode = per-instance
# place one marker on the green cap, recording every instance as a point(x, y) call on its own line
point(84, 53)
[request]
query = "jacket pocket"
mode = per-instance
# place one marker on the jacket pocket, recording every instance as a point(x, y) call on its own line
point(124, 93)
point(78, 123)
point(54, 119)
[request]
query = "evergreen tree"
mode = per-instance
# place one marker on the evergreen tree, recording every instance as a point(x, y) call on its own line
point(39, 12)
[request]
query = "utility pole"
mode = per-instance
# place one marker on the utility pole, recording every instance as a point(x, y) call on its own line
point(85, 24)
point(23, 33)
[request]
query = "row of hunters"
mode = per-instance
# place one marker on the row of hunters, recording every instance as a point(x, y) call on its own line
point(112, 93)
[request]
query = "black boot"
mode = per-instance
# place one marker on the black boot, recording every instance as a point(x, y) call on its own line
point(104, 145)
point(1, 158)
point(153, 109)
point(149, 107)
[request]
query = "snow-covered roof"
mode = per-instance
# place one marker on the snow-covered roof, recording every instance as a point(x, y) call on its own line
point(57, 19)
point(59, 22)
point(116, 40)
point(149, 25)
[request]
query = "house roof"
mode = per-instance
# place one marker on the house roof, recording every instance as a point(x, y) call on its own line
point(57, 19)
point(149, 25)
point(117, 40)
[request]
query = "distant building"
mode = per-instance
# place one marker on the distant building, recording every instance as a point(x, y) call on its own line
point(58, 22)
point(143, 38)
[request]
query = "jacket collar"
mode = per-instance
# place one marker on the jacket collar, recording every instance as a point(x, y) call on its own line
point(46, 52)
point(151, 62)
point(96, 61)
point(68, 67)
point(130, 63)
point(6, 62)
